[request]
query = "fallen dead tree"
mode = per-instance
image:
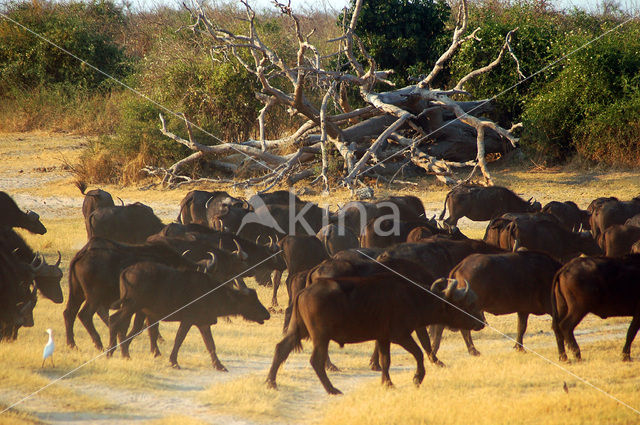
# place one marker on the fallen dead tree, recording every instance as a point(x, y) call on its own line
point(413, 126)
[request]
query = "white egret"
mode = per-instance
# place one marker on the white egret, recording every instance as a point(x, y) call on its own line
point(48, 349)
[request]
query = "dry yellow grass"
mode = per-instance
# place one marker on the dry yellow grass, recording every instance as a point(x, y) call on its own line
point(501, 386)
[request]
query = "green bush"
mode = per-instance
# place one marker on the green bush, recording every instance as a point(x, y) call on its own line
point(592, 106)
point(85, 29)
point(407, 36)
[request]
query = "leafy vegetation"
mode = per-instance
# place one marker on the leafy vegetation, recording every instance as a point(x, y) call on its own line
point(586, 105)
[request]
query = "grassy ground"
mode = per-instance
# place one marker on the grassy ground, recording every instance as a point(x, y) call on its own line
point(501, 386)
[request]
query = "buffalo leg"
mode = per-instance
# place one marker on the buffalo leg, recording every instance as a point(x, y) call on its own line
point(318, 360)
point(125, 340)
point(374, 361)
point(436, 336)
point(290, 341)
point(115, 323)
point(423, 337)
point(410, 345)
point(287, 317)
point(277, 277)
point(330, 366)
point(86, 317)
point(103, 313)
point(183, 329)
point(522, 328)
point(567, 326)
point(466, 336)
point(384, 348)
point(153, 329)
point(631, 334)
point(205, 331)
point(559, 340)
point(70, 312)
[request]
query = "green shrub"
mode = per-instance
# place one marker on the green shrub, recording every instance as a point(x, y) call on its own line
point(591, 107)
point(407, 36)
point(85, 29)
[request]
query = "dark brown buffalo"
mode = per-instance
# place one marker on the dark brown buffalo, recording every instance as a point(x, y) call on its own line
point(198, 204)
point(189, 297)
point(46, 276)
point(261, 260)
point(606, 287)
point(300, 253)
point(356, 214)
point(383, 232)
point(277, 197)
point(132, 223)
point(568, 215)
point(93, 279)
point(518, 282)
point(599, 202)
point(227, 264)
point(619, 238)
point(385, 308)
point(539, 232)
point(335, 238)
point(17, 300)
point(479, 203)
point(12, 216)
point(303, 219)
point(611, 213)
point(93, 199)
point(438, 254)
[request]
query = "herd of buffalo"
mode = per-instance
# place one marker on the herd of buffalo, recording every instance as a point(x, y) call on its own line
point(370, 271)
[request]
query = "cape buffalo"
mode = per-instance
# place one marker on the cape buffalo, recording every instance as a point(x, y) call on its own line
point(385, 308)
point(132, 223)
point(540, 232)
point(606, 287)
point(46, 276)
point(196, 204)
point(93, 199)
point(518, 282)
point(611, 213)
point(189, 297)
point(12, 216)
point(619, 238)
point(93, 279)
point(569, 215)
point(335, 238)
point(479, 203)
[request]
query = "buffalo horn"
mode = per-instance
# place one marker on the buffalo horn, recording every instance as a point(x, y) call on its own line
point(272, 245)
point(206, 205)
point(258, 240)
point(243, 255)
point(439, 285)
point(516, 245)
point(186, 252)
point(41, 263)
point(529, 201)
point(212, 263)
point(59, 258)
point(121, 201)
